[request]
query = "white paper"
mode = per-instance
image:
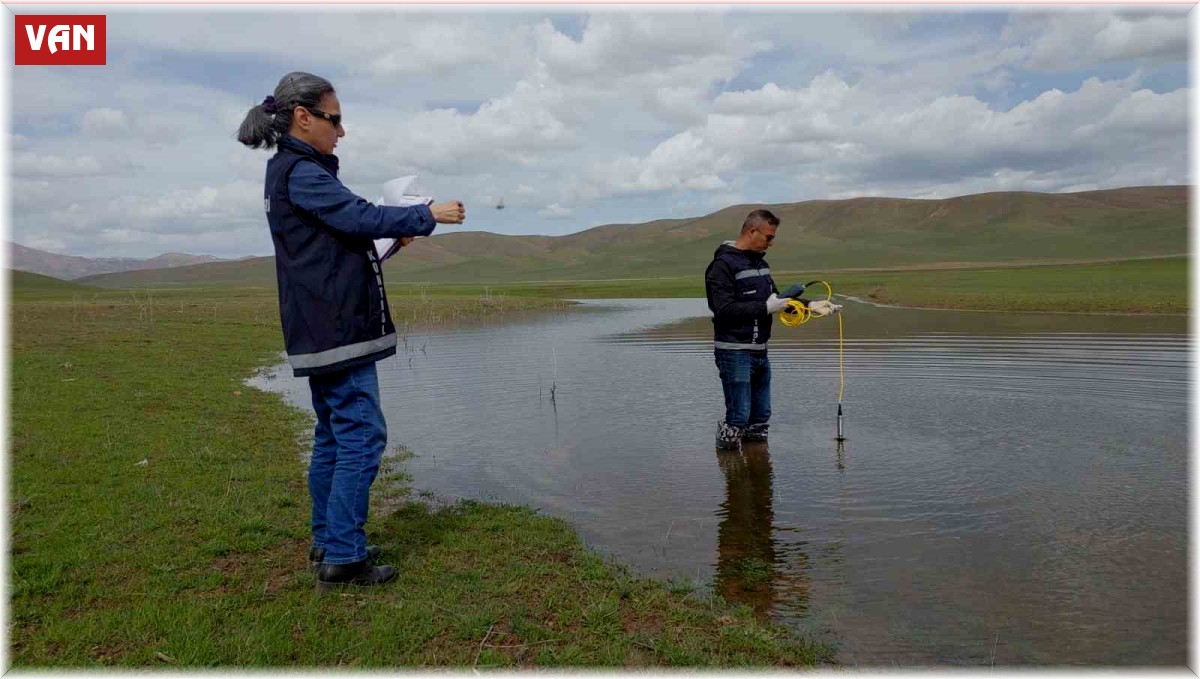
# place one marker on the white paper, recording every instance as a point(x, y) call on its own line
point(395, 194)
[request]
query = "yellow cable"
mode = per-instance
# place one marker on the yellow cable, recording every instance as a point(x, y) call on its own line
point(797, 313)
point(794, 314)
point(841, 371)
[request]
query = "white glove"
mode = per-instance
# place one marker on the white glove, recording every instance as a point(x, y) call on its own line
point(823, 307)
point(776, 304)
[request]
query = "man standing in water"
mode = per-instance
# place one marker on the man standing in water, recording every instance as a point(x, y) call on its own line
point(742, 297)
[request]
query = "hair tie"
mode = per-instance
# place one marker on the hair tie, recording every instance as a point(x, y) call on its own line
point(269, 105)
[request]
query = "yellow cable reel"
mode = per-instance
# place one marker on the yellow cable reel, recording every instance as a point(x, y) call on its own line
point(797, 313)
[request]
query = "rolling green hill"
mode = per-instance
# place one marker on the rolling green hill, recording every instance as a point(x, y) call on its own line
point(858, 233)
point(25, 282)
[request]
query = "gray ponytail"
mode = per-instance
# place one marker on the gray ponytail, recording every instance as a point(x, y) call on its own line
point(268, 121)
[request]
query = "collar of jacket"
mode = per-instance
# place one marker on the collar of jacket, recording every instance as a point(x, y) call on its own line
point(327, 160)
point(728, 246)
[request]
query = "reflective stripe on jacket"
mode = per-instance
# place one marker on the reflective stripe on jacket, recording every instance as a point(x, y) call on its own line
point(738, 283)
point(332, 303)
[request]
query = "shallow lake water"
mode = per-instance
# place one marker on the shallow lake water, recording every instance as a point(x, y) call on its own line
point(1012, 490)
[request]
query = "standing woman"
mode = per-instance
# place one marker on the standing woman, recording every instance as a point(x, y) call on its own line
point(336, 321)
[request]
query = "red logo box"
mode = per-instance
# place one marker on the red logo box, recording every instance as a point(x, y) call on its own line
point(60, 40)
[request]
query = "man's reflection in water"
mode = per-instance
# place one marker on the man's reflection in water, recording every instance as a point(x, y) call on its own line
point(748, 558)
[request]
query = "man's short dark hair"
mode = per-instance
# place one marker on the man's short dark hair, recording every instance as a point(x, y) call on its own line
point(758, 218)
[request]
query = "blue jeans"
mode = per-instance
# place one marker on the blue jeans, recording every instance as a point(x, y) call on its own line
point(348, 442)
point(746, 380)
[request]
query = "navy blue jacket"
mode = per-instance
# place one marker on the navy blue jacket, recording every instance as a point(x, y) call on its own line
point(738, 283)
point(331, 299)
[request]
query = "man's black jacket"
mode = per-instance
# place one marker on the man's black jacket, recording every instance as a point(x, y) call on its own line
point(738, 283)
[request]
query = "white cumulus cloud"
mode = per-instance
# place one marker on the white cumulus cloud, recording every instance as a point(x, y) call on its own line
point(34, 164)
point(102, 120)
point(556, 211)
point(586, 116)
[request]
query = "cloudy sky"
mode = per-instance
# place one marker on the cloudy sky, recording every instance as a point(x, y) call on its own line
point(590, 115)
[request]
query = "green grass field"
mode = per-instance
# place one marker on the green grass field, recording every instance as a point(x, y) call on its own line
point(1133, 286)
point(158, 515)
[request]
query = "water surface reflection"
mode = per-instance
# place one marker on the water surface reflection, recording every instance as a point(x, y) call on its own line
point(752, 566)
point(1012, 490)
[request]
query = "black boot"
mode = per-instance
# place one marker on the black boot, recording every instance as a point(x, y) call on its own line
point(728, 438)
point(317, 554)
point(756, 432)
point(357, 574)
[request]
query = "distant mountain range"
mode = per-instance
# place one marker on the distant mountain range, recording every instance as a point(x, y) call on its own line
point(67, 267)
point(815, 236)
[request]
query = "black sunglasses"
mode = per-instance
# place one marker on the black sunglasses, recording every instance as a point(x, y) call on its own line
point(336, 119)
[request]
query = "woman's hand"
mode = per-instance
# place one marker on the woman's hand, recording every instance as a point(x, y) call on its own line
point(451, 212)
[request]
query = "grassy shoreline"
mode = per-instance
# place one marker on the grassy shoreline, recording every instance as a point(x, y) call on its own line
point(1143, 285)
point(158, 515)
